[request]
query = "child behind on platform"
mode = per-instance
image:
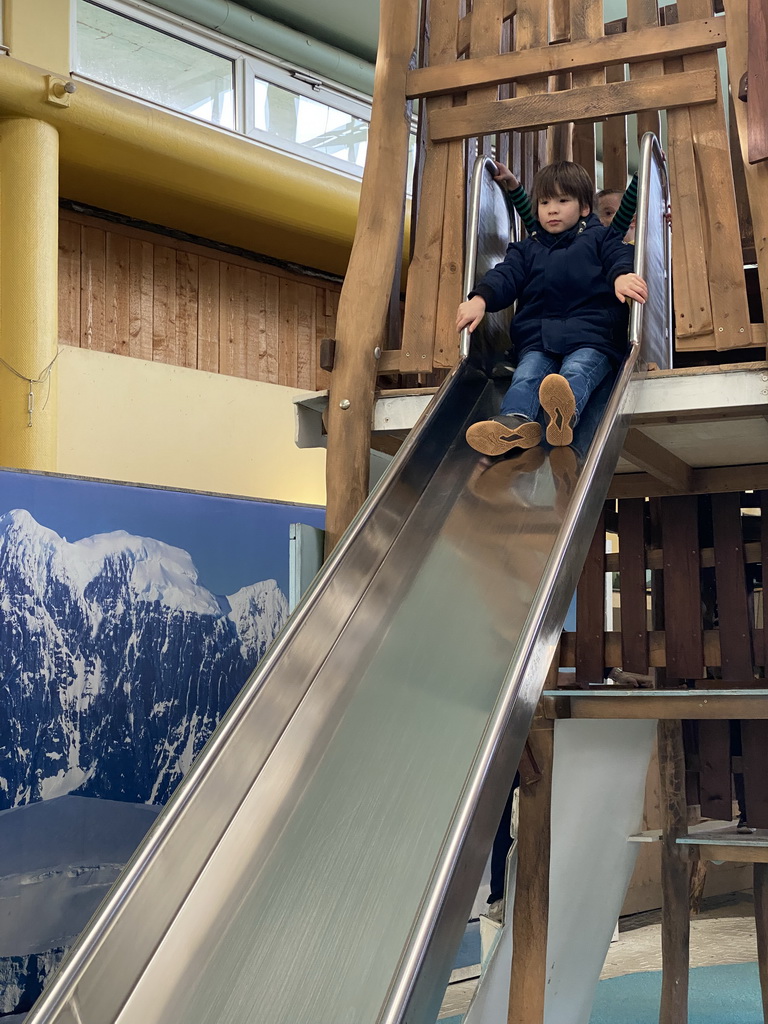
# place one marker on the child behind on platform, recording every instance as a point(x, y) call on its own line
point(570, 278)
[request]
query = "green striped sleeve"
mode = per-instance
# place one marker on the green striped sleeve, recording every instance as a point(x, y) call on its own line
point(518, 200)
point(627, 210)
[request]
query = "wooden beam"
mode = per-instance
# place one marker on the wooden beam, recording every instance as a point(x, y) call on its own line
point(757, 81)
point(657, 648)
point(645, 14)
point(592, 103)
point(582, 55)
point(705, 481)
point(465, 26)
point(675, 914)
point(756, 174)
point(722, 237)
point(733, 852)
point(423, 287)
point(671, 705)
point(760, 892)
point(654, 558)
point(530, 921)
point(365, 296)
point(586, 24)
point(645, 453)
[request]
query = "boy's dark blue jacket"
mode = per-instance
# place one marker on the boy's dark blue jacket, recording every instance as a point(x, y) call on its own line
point(563, 285)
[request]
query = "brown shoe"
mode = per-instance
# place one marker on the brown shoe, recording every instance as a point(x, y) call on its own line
point(559, 404)
point(502, 434)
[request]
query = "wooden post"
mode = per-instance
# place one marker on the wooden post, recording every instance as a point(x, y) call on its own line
point(530, 922)
point(365, 297)
point(675, 913)
point(756, 174)
point(760, 890)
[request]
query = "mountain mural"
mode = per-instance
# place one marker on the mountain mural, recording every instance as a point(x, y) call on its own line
point(116, 664)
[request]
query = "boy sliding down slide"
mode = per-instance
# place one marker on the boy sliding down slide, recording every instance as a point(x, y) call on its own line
point(571, 278)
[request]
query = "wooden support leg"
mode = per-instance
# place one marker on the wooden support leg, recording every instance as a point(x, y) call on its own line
point(531, 914)
point(761, 927)
point(675, 915)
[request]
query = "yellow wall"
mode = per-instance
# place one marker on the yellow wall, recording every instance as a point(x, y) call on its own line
point(38, 32)
point(143, 422)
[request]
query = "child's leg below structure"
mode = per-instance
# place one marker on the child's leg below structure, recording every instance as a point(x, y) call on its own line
point(516, 425)
point(564, 395)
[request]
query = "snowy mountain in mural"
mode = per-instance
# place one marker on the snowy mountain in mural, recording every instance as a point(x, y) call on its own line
point(112, 642)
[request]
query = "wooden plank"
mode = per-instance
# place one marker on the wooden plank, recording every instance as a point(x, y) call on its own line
point(485, 40)
point(323, 329)
point(254, 301)
point(727, 288)
point(756, 175)
point(269, 327)
point(305, 336)
point(733, 609)
point(590, 612)
point(208, 315)
point(682, 588)
point(141, 299)
point(705, 481)
point(655, 557)
point(634, 611)
point(559, 136)
point(645, 14)
point(531, 32)
point(738, 853)
point(530, 922)
point(645, 453)
point(211, 251)
point(757, 81)
point(187, 271)
point(117, 299)
point(93, 294)
point(586, 23)
point(69, 282)
point(677, 705)
point(760, 893)
point(692, 304)
point(748, 252)
point(657, 651)
point(675, 918)
point(164, 307)
point(615, 140)
point(423, 286)
point(609, 51)
point(509, 8)
point(232, 341)
point(530, 112)
point(289, 334)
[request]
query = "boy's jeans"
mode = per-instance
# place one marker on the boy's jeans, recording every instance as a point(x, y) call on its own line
point(584, 370)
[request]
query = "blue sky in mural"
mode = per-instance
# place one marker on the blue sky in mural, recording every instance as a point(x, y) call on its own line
point(234, 542)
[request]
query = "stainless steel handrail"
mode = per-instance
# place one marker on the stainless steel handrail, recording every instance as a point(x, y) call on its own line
point(536, 646)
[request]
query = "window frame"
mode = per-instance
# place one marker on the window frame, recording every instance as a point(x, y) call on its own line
point(249, 64)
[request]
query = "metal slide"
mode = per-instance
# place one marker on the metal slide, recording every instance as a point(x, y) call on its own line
point(317, 864)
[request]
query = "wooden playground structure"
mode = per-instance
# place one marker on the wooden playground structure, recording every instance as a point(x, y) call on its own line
point(528, 81)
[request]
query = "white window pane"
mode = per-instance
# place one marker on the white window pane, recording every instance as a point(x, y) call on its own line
point(145, 62)
point(310, 123)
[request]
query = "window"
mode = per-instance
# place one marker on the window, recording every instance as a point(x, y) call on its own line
point(145, 62)
point(308, 116)
point(131, 47)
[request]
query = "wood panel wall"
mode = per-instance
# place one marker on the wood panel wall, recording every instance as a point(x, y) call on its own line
point(140, 294)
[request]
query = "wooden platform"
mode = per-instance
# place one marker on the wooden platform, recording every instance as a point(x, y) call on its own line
point(702, 430)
